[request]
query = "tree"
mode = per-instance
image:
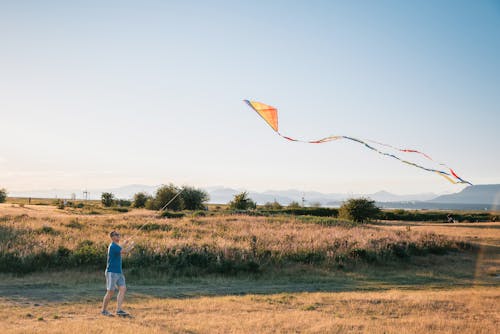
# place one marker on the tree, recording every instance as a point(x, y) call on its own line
point(164, 195)
point(358, 210)
point(294, 205)
point(273, 206)
point(193, 199)
point(242, 202)
point(3, 195)
point(123, 202)
point(140, 200)
point(107, 199)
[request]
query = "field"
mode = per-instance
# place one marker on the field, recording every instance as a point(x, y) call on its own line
point(241, 274)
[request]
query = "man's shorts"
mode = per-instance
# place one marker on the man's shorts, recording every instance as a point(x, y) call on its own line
point(114, 280)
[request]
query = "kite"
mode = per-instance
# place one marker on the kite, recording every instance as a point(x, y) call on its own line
point(270, 115)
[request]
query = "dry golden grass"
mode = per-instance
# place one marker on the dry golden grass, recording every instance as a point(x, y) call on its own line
point(279, 235)
point(395, 311)
point(465, 299)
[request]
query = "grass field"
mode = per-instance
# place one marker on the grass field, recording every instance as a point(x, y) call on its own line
point(443, 292)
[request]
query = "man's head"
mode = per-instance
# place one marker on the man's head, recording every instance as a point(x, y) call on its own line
point(115, 236)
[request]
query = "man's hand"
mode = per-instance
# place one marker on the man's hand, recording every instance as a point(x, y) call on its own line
point(128, 245)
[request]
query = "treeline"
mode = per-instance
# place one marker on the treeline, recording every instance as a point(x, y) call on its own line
point(183, 198)
point(392, 215)
point(358, 210)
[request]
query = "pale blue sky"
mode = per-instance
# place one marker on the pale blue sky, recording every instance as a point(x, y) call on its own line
point(109, 93)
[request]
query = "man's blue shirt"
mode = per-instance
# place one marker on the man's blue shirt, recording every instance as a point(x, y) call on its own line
point(114, 259)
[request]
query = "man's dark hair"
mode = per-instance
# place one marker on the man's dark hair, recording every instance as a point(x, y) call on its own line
point(113, 233)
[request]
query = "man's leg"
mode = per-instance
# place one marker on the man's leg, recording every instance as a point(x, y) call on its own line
point(121, 296)
point(107, 298)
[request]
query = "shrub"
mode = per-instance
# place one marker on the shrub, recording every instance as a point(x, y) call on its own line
point(107, 199)
point(60, 204)
point(74, 223)
point(299, 211)
point(193, 199)
point(358, 210)
point(434, 216)
point(154, 227)
point(123, 203)
point(47, 230)
point(164, 195)
point(3, 195)
point(140, 200)
point(272, 206)
point(242, 202)
point(170, 214)
point(87, 253)
point(120, 209)
point(294, 205)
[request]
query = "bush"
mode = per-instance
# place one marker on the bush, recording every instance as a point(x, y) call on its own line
point(47, 230)
point(294, 205)
point(193, 199)
point(74, 223)
point(164, 195)
point(170, 214)
point(120, 209)
point(107, 199)
point(140, 200)
point(242, 202)
point(434, 216)
point(358, 210)
point(60, 204)
point(3, 195)
point(272, 206)
point(123, 203)
point(299, 211)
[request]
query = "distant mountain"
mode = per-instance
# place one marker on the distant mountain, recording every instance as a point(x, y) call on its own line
point(285, 197)
point(222, 195)
point(384, 196)
point(120, 192)
point(478, 194)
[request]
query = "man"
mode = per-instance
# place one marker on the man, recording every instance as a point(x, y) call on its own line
point(114, 274)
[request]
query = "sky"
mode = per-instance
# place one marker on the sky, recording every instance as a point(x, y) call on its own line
point(97, 94)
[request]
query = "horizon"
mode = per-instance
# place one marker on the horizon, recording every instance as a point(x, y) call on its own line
point(79, 191)
point(94, 95)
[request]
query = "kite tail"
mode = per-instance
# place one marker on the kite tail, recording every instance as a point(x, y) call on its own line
point(270, 115)
point(450, 176)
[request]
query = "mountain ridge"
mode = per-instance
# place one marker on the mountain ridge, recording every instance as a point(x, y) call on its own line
point(479, 195)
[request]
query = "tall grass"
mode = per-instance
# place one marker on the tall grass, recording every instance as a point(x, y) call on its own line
point(198, 245)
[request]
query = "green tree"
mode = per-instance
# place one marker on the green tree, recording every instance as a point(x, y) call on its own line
point(242, 202)
point(358, 210)
point(164, 195)
point(140, 200)
point(3, 195)
point(273, 206)
point(193, 199)
point(123, 202)
point(107, 199)
point(294, 205)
